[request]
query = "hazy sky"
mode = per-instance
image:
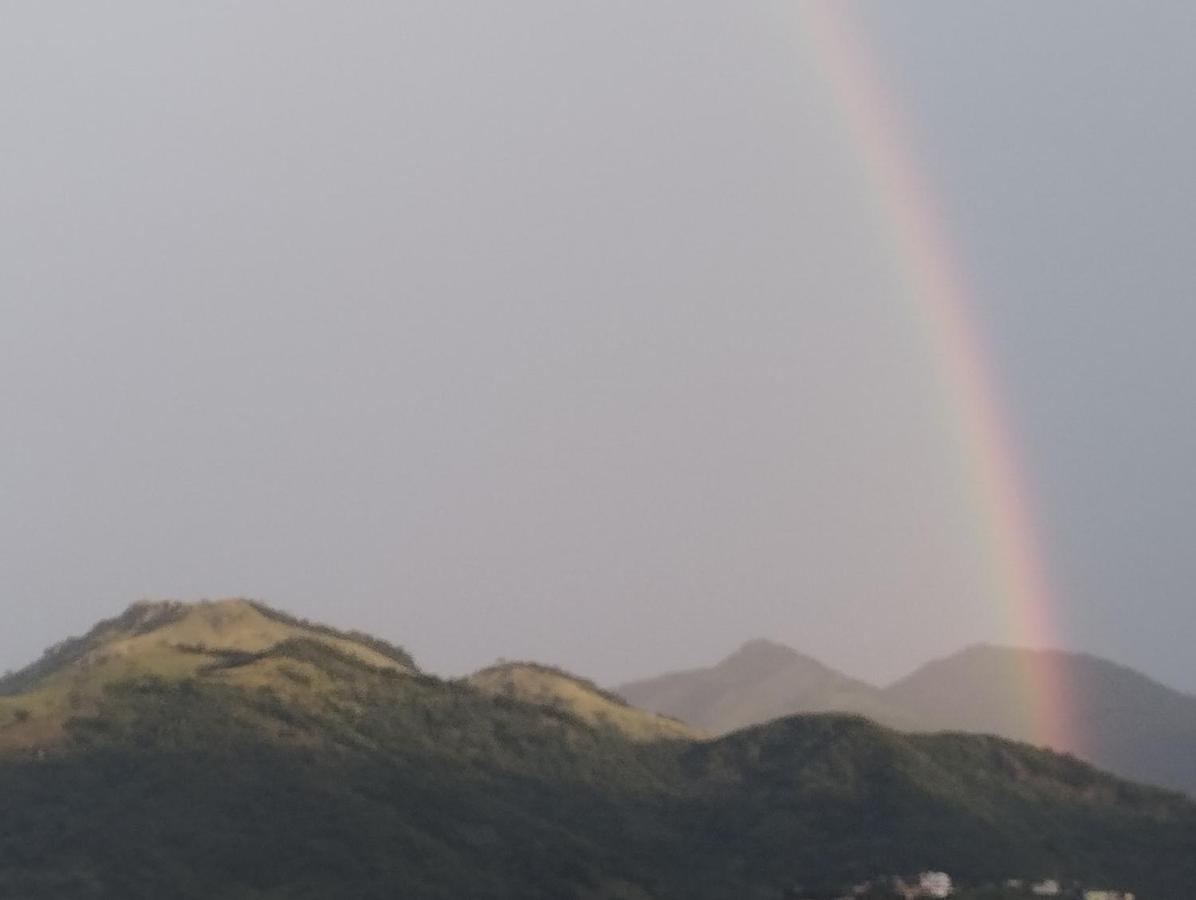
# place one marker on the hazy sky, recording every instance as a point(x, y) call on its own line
point(570, 331)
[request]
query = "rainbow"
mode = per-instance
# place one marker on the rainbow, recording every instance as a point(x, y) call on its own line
point(996, 484)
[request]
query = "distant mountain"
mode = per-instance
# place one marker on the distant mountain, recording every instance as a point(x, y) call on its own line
point(552, 687)
point(193, 755)
point(759, 682)
point(1120, 720)
point(1116, 718)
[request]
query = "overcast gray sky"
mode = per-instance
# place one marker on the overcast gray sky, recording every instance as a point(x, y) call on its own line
point(570, 332)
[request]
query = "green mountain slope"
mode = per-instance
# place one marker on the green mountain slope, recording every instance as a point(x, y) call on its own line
point(759, 682)
point(302, 770)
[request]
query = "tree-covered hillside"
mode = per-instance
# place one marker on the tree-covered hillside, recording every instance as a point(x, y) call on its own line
point(304, 771)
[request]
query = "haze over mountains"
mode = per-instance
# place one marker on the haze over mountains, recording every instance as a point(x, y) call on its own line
point(229, 750)
point(1119, 719)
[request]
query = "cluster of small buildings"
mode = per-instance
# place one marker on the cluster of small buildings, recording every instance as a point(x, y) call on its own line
point(933, 884)
point(938, 885)
point(1052, 888)
point(926, 885)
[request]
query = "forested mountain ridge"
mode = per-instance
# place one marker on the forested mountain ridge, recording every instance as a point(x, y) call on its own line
point(306, 770)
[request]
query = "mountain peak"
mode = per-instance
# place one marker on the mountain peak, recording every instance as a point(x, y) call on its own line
point(171, 640)
point(1101, 711)
point(231, 623)
point(761, 680)
point(761, 658)
point(763, 648)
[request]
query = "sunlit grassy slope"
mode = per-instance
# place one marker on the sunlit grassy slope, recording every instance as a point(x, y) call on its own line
point(167, 640)
point(548, 686)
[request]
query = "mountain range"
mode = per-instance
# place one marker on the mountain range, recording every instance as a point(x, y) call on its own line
point(1118, 719)
point(228, 750)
